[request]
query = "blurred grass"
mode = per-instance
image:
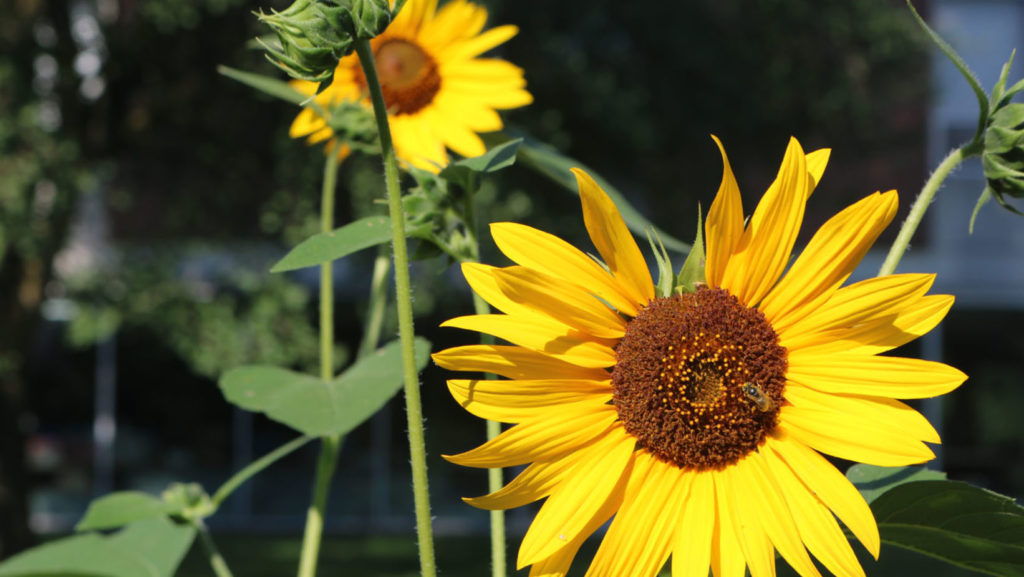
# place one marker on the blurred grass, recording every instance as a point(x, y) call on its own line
point(395, 556)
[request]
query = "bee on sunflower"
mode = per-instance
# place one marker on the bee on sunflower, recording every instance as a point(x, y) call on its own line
point(697, 420)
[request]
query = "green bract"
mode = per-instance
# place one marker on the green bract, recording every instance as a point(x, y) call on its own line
point(314, 34)
point(1003, 158)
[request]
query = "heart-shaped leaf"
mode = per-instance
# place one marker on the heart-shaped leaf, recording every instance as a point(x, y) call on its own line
point(316, 407)
point(148, 548)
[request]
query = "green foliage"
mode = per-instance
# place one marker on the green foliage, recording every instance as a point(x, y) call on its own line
point(556, 166)
point(666, 275)
point(314, 407)
point(464, 172)
point(123, 508)
point(339, 243)
point(271, 86)
point(872, 480)
point(148, 548)
point(954, 522)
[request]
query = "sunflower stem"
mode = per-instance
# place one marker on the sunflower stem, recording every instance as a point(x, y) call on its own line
point(329, 445)
point(403, 298)
point(376, 306)
point(255, 467)
point(495, 481)
point(931, 187)
point(217, 562)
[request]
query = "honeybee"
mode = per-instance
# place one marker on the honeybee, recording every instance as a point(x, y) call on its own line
point(757, 396)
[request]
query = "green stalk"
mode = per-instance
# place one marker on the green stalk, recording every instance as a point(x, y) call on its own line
point(899, 246)
point(329, 445)
point(403, 298)
point(220, 567)
point(378, 298)
point(499, 562)
point(255, 467)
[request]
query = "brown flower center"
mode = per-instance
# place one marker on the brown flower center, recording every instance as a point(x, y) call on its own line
point(699, 379)
point(408, 76)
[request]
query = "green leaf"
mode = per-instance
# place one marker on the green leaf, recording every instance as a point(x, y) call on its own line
point(119, 509)
point(341, 242)
point(549, 162)
point(954, 522)
point(463, 172)
point(872, 480)
point(946, 49)
point(693, 268)
point(265, 84)
point(148, 548)
point(313, 406)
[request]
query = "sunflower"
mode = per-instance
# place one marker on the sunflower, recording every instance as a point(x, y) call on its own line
point(438, 92)
point(697, 420)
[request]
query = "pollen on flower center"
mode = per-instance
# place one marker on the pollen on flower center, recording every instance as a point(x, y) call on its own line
point(699, 379)
point(408, 76)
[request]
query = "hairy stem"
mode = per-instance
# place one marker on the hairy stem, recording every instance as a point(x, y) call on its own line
point(403, 301)
point(899, 246)
point(220, 567)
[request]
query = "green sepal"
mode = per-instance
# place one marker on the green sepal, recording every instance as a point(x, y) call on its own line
point(316, 407)
point(265, 84)
point(312, 36)
point(189, 500)
point(666, 276)
point(370, 17)
point(463, 172)
point(151, 547)
point(983, 198)
point(692, 271)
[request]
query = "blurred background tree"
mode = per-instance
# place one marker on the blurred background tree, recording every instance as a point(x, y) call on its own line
point(112, 116)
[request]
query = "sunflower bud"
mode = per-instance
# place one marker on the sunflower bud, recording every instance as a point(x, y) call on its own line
point(1002, 157)
point(314, 34)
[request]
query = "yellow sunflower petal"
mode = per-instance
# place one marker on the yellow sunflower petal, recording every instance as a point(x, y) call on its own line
point(893, 377)
point(817, 527)
point(829, 259)
point(455, 134)
point(477, 45)
point(614, 241)
point(541, 335)
point(874, 412)
point(576, 501)
point(861, 302)
point(765, 500)
point(772, 231)
point(521, 291)
point(724, 224)
point(534, 483)
point(307, 122)
point(691, 549)
point(517, 401)
point(513, 362)
point(882, 334)
point(727, 559)
point(848, 438)
point(471, 110)
point(541, 439)
point(553, 256)
point(744, 515)
point(829, 485)
point(557, 564)
point(816, 163)
point(639, 540)
point(455, 20)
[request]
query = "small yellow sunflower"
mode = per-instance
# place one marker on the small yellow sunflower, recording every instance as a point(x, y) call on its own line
point(697, 420)
point(438, 92)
